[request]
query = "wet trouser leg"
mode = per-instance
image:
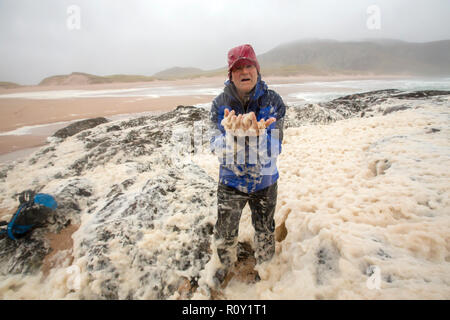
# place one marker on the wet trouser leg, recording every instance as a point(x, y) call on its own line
point(230, 203)
point(262, 204)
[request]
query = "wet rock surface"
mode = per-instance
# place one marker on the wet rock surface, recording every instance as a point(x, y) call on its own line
point(366, 104)
point(79, 126)
point(159, 216)
point(129, 221)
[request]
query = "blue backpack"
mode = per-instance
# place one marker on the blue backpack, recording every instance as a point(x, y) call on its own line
point(32, 212)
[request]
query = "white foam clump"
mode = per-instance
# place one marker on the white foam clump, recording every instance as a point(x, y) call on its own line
point(245, 128)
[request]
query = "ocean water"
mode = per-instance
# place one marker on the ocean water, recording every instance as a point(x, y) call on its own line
point(313, 92)
point(139, 92)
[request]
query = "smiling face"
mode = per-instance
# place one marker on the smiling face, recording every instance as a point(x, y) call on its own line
point(244, 76)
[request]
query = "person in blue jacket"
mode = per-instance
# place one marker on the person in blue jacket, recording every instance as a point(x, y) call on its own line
point(246, 121)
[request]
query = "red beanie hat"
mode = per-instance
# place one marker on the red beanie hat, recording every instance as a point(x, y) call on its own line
point(244, 53)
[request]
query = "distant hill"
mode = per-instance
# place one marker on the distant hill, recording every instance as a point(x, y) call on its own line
point(9, 85)
point(129, 78)
point(178, 72)
point(188, 73)
point(80, 78)
point(324, 57)
point(379, 56)
point(309, 57)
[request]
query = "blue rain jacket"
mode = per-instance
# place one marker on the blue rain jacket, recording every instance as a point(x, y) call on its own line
point(248, 164)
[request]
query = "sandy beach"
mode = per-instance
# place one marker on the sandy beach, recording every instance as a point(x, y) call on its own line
point(23, 112)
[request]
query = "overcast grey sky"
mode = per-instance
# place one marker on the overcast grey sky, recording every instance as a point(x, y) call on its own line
point(144, 37)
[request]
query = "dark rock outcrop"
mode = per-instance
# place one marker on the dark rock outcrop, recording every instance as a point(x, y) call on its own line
point(366, 104)
point(421, 94)
point(79, 126)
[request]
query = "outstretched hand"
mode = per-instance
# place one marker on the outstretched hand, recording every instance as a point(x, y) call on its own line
point(246, 124)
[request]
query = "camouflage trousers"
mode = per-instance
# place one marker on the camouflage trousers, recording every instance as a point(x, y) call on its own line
point(230, 203)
